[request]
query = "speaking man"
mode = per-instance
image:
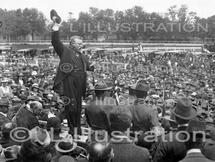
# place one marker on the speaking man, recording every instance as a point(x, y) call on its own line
point(70, 80)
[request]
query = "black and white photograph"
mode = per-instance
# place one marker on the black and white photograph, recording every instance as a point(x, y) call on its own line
point(107, 81)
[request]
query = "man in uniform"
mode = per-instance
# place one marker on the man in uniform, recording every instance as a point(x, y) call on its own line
point(70, 80)
point(145, 117)
point(97, 111)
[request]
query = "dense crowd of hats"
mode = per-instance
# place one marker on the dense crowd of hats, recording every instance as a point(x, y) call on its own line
point(181, 92)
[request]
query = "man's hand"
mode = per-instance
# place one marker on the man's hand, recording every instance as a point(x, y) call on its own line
point(55, 17)
point(56, 27)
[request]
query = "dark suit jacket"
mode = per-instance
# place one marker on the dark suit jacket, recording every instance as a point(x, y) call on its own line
point(98, 116)
point(195, 157)
point(67, 55)
point(144, 117)
point(126, 151)
point(26, 119)
point(170, 150)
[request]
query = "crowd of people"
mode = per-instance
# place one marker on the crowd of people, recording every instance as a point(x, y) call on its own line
point(147, 110)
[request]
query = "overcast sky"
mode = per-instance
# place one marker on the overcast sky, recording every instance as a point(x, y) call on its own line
point(204, 8)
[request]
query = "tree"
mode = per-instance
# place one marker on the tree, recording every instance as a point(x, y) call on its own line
point(172, 11)
point(211, 27)
point(36, 20)
point(182, 13)
point(9, 25)
point(22, 28)
point(84, 21)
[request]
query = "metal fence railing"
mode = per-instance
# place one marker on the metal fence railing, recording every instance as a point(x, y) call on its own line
point(107, 41)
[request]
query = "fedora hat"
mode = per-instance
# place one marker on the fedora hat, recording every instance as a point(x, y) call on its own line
point(65, 145)
point(139, 86)
point(101, 86)
point(140, 89)
point(142, 86)
point(4, 102)
point(184, 109)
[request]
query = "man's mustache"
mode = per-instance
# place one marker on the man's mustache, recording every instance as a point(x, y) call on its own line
point(82, 46)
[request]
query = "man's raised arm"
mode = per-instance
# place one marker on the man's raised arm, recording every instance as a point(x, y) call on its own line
point(57, 44)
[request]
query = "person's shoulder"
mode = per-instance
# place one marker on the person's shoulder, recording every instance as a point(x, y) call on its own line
point(142, 108)
point(142, 151)
point(90, 106)
point(93, 108)
point(22, 110)
point(196, 157)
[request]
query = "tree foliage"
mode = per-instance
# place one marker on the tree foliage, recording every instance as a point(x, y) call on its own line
point(19, 23)
point(178, 23)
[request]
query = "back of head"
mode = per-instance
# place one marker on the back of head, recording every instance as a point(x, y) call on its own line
point(100, 152)
point(197, 135)
point(101, 89)
point(140, 89)
point(120, 119)
point(55, 123)
point(184, 111)
point(31, 152)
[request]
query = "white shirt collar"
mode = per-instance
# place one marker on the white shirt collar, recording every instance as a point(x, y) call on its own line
point(193, 151)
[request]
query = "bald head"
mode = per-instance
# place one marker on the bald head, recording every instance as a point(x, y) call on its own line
point(36, 107)
point(100, 152)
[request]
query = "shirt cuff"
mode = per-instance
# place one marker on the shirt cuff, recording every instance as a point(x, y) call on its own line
point(56, 27)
